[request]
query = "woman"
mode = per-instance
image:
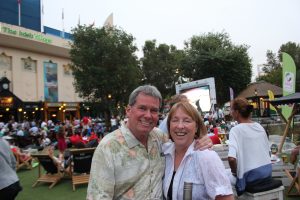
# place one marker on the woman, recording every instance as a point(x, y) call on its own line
point(61, 140)
point(202, 168)
point(249, 145)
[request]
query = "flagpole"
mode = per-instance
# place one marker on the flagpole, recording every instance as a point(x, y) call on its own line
point(19, 12)
point(63, 26)
point(42, 16)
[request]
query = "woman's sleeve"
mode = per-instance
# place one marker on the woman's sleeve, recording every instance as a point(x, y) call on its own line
point(232, 152)
point(214, 175)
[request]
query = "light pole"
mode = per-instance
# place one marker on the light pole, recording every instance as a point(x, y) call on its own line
point(258, 103)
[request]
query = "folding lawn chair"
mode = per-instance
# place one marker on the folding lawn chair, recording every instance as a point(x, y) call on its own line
point(295, 184)
point(81, 166)
point(52, 175)
point(22, 162)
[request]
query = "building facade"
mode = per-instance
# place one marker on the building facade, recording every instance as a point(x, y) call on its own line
point(37, 69)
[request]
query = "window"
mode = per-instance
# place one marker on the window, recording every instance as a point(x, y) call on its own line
point(5, 62)
point(29, 64)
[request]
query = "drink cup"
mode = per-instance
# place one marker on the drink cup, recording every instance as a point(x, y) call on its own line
point(284, 158)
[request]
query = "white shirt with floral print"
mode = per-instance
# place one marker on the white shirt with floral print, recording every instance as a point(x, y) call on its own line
point(122, 168)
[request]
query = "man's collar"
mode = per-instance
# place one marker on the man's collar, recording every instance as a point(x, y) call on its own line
point(129, 137)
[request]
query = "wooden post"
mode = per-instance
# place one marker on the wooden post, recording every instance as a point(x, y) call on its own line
point(295, 107)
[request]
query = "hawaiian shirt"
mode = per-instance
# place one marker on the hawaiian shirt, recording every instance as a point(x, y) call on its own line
point(122, 168)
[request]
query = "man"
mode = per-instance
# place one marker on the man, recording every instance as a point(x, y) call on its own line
point(129, 163)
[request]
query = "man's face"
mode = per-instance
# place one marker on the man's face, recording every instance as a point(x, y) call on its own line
point(143, 115)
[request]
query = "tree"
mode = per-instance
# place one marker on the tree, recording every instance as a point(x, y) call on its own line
point(214, 55)
point(293, 50)
point(104, 65)
point(160, 66)
point(273, 69)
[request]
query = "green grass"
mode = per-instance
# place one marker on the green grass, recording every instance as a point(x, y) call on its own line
point(61, 191)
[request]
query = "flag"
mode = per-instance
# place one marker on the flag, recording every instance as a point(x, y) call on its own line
point(109, 22)
point(288, 80)
point(62, 14)
point(231, 93)
point(271, 97)
point(92, 24)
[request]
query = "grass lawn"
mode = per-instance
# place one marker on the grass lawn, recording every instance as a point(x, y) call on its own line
point(61, 191)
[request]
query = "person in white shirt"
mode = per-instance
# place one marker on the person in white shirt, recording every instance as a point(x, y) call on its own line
point(43, 124)
point(204, 169)
point(34, 131)
point(248, 155)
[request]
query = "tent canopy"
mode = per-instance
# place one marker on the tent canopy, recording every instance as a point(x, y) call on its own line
point(260, 89)
point(289, 99)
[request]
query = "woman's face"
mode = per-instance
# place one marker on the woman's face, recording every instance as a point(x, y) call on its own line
point(182, 128)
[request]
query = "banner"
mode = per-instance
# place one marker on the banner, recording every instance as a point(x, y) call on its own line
point(231, 93)
point(271, 97)
point(288, 81)
point(50, 82)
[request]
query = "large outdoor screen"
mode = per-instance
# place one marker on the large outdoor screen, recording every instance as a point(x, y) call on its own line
point(201, 93)
point(199, 96)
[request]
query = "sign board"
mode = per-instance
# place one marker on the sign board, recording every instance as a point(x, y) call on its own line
point(6, 102)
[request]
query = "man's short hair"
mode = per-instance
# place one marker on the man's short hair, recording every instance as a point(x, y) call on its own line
point(147, 90)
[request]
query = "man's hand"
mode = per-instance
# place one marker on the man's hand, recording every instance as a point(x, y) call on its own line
point(203, 143)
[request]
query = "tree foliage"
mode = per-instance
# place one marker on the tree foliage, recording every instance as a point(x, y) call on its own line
point(273, 69)
point(160, 66)
point(214, 55)
point(103, 64)
point(293, 50)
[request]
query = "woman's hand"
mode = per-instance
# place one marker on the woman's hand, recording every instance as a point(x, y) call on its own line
point(203, 143)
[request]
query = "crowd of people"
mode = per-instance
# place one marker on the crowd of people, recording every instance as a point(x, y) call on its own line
point(40, 134)
point(145, 158)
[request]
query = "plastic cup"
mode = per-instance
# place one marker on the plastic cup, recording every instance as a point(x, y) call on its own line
point(284, 158)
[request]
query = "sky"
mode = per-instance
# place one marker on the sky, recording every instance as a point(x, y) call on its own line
point(261, 24)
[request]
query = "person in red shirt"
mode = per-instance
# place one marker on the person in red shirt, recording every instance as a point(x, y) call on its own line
point(61, 140)
point(76, 138)
point(215, 139)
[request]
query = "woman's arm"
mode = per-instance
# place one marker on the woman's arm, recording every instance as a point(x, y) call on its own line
point(226, 197)
point(216, 181)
